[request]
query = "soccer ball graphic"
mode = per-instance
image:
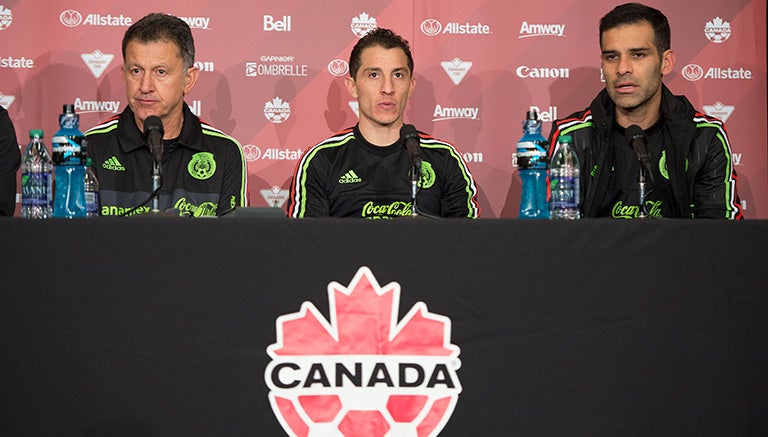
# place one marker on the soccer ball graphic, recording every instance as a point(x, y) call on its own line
point(362, 373)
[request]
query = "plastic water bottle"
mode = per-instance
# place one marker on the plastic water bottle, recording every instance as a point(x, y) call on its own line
point(91, 187)
point(532, 164)
point(68, 145)
point(564, 181)
point(36, 178)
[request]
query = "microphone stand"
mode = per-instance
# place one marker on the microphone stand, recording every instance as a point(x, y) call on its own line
point(415, 173)
point(155, 187)
point(641, 189)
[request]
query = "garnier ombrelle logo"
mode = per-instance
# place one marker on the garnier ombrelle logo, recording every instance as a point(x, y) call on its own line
point(363, 372)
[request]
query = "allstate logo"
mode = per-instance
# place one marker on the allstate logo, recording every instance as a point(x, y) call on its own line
point(431, 27)
point(338, 67)
point(70, 18)
point(693, 72)
point(251, 152)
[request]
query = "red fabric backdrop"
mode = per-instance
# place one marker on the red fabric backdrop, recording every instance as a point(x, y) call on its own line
point(478, 66)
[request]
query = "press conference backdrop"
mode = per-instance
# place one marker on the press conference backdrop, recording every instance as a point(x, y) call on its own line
point(273, 73)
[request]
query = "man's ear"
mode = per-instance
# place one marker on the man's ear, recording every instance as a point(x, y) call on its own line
point(351, 88)
point(668, 59)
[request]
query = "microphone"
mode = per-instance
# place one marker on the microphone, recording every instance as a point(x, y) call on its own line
point(411, 142)
point(153, 134)
point(639, 142)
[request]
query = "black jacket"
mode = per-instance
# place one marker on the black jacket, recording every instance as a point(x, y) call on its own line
point(346, 176)
point(696, 148)
point(10, 157)
point(203, 171)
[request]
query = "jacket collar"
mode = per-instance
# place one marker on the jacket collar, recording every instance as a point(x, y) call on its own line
point(132, 139)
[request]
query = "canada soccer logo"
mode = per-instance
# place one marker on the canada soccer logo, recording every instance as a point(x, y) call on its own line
point(363, 373)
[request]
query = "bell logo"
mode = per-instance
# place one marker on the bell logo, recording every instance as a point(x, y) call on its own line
point(363, 372)
point(270, 24)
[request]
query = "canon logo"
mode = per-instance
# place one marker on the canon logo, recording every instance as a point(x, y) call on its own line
point(542, 72)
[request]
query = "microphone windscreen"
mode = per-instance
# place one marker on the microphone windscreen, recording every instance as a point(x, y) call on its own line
point(153, 123)
point(408, 131)
point(633, 133)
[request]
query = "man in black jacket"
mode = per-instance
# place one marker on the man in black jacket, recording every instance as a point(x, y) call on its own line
point(691, 173)
point(10, 158)
point(203, 169)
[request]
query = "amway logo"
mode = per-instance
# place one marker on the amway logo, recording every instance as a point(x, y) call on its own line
point(197, 22)
point(340, 377)
point(97, 61)
point(446, 113)
point(456, 69)
point(86, 106)
point(528, 30)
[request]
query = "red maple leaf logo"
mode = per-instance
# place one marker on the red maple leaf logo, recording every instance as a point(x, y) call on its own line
point(363, 373)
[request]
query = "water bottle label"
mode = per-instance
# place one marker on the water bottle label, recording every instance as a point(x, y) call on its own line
point(35, 189)
point(91, 203)
point(564, 192)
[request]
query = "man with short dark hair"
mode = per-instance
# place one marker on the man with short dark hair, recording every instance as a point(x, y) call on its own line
point(691, 172)
point(365, 171)
point(203, 169)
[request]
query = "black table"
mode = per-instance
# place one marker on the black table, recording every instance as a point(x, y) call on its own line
point(160, 326)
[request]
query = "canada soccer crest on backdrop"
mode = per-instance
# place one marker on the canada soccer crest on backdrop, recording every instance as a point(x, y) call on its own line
point(363, 373)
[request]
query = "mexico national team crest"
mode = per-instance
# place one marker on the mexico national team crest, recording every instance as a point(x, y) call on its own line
point(363, 372)
point(202, 165)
